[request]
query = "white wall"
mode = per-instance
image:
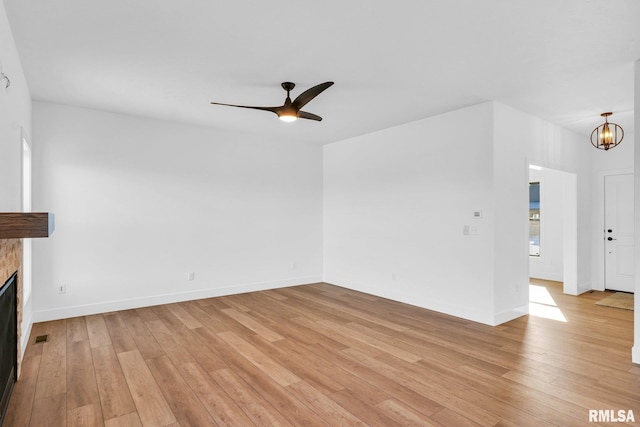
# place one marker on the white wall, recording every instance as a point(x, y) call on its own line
point(15, 113)
point(15, 118)
point(395, 204)
point(553, 147)
point(511, 201)
point(139, 203)
point(636, 182)
point(549, 265)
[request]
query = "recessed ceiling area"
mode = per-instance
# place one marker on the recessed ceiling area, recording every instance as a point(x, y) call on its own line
point(392, 62)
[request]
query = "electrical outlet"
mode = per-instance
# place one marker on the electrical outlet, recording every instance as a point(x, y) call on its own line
point(61, 289)
point(294, 266)
point(191, 276)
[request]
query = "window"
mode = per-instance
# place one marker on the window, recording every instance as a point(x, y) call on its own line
point(534, 219)
point(26, 207)
point(26, 176)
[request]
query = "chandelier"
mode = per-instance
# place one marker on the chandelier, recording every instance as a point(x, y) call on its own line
point(607, 135)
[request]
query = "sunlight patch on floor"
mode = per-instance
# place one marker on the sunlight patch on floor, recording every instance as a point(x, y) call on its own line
point(541, 304)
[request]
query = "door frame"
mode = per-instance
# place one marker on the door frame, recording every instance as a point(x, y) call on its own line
point(598, 268)
point(569, 226)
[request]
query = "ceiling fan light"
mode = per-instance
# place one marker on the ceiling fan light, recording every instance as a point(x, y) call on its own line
point(290, 110)
point(288, 117)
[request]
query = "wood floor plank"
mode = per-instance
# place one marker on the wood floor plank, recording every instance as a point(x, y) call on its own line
point(574, 397)
point(222, 408)
point(391, 386)
point(449, 417)
point(210, 318)
point(277, 372)
point(488, 395)
point(184, 316)
point(115, 396)
point(82, 388)
point(323, 355)
point(234, 302)
point(152, 407)
point(97, 330)
point(34, 349)
point(187, 338)
point(353, 402)
point(287, 305)
point(357, 313)
point(184, 403)
point(169, 344)
point(128, 420)
point(442, 396)
point(344, 340)
point(49, 411)
point(259, 411)
point(312, 309)
point(145, 342)
point(298, 332)
point(85, 416)
point(248, 322)
point(21, 404)
point(77, 330)
point(385, 342)
point(53, 369)
point(285, 402)
point(146, 314)
point(297, 357)
point(119, 334)
point(274, 294)
point(404, 415)
point(322, 404)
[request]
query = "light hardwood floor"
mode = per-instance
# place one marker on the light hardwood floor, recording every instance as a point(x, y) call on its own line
point(323, 355)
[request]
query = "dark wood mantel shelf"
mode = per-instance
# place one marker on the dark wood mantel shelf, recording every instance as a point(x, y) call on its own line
point(23, 225)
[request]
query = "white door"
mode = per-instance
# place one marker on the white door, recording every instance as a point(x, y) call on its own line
point(618, 232)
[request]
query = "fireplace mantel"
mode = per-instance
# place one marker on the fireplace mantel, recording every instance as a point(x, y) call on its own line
point(23, 225)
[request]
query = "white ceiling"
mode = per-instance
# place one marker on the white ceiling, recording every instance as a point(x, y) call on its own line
point(392, 62)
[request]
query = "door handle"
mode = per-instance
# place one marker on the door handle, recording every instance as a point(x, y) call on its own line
point(611, 238)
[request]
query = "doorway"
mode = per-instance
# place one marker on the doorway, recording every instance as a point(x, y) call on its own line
point(619, 239)
point(556, 245)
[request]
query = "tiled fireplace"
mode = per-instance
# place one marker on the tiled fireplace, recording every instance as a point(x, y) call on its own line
point(10, 317)
point(14, 226)
point(10, 262)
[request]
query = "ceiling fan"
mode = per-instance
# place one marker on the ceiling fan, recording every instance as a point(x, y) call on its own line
point(291, 111)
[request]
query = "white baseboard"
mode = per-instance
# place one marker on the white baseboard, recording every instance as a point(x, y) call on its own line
point(546, 276)
point(508, 315)
point(438, 306)
point(126, 304)
point(27, 323)
point(585, 287)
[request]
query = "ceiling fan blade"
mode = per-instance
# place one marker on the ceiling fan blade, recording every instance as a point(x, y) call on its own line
point(272, 109)
point(309, 94)
point(305, 115)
